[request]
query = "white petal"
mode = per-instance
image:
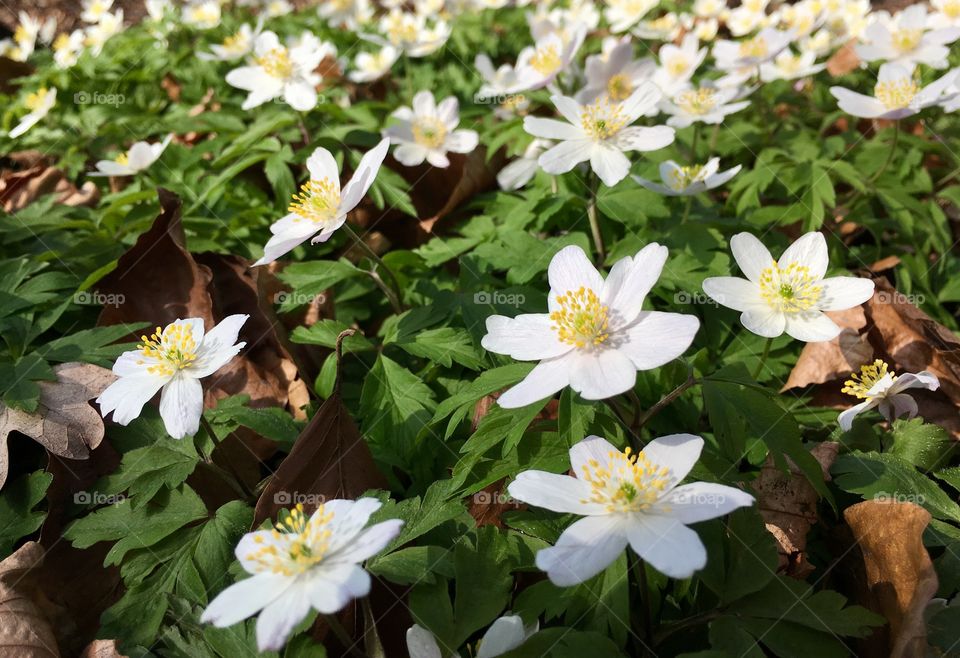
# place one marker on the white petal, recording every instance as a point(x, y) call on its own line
point(277, 620)
point(505, 634)
point(845, 419)
point(858, 105)
point(526, 337)
point(669, 546)
point(424, 104)
point(601, 375)
point(349, 518)
point(282, 241)
point(552, 129)
point(126, 396)
point(421, 643)
point(181, 405)
point(438, 159)
point(569, 270)
point(751, 256)
point(557, 493)
point(219, 346)
point(811, 327)
point(321, 164)
point(657, 338)
point(591, 448)
point(764, 321)
point(448, 111)
point(544, 380)
point(733, 292)
point(371, 541)
point(677, 452)
point(630, 280)
point(843, 292)
point(584, 549)
point(639, 138)
point(922, 379)
point(701, 501)
point(565, 156)
point(245, 599)
point(809, 250)
point(364, 176)
point(611, 165)
point(300, 95)
point(897, 406)
point(332, 588)
point(410, 155)
point(462, 141)
point(569, 108)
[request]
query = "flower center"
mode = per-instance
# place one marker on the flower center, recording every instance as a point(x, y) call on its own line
point(906, 40)
point(296, 544)
point(677, 66)
point(62, 42)
point(21, 35)
point(546, 60)
point(581, 320)
point(277, 63)
point(429, 132)
point(859, 385)
point(756, 48)
point(35, 99)
point(896, 94)
point(619, 87)
point(173, 347)
point(318, 201)
point(123, 159)
point(236, 44)
point(602, 119)
point(698, 102)
point(791, 289)
point(788, 63)
point(682, 177)
point(628, 482)
point(400, 30)
point(951, 9)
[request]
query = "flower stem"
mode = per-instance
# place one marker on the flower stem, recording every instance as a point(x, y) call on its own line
point(893, 150)
point(594, 220)
point(343, 636)
point(640, 575)
point(763, 358)
point(230, 473)
point(693, 144)
point(686, 209)
point(393, 291)
point(667, 399)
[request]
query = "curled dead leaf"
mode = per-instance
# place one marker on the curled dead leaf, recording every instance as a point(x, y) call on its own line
point(102, 649)
point(844, 60)
point(33, 178)
point(25, 631)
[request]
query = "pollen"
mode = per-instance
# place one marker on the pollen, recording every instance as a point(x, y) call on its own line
point(698, 102)
point(122, 159)
point(860, 384)
point(236, 44)
point(791, 289)
point(896, 94)
point(683, 177)
point(296, 544)
point(906, 40)
point(626, 482)
point(546, 60)
point(677, 66)
point(755, 48)
point(276, 63)
point(619, 87)
point(173, 349)
point(318, 201)
point(35, 99)
point(581, 320)
point(429, 132)
point(602, 119)
point(62, 42)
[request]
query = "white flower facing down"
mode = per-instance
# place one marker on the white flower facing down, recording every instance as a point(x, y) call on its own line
point(522, 170)
point(787, 295)
point(140, 156)
point(304, 563)
point(278, 71)
point(896, 94)
point(686, 181)
point(879, 387)
point(627, 498)
point(599, 133)
point(321, 207)
point(428, 131)
point(706, 104)
point(597, 335)
point(497, 87)
point(237, 45)
point(505, 634)
point(39, 103)
point(174, 359)
point(905, 40)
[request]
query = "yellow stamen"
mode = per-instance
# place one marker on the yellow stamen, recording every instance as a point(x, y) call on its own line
point(755, 48)
point(905, 40)
point(619, 87)
point(298, 543)
point(791, 289)
point(581, 320)
point(698, 101)
point(276, 63)
point(318, 201)
point(602, 119)
point(429, 132)
point(173, 347)
point(896, 94)
point(859, 385)
point(546, 60)
point(627, 482)
point(682, 177)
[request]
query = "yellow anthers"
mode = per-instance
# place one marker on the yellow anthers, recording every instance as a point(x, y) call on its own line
point(318, 201)
point(400, 30)
point(174, 348)
point(123, 159)
point(429, 132)
point(788, 63)
point(951, 9)
point(859, 384)
point(602, 119)
point(61, 42)
point(581, 320)
point(682, 177)
point(296, 544)
point(627, 482)
point(276, 63)
point(20, 34)
point(619, 87)
point(236, 44)
point(756, 48)
point(698, 101)
point(677, 66)
point(791, 289)
point(896, 94)
point(546, 60)
point(35, 99)
point(906, 40)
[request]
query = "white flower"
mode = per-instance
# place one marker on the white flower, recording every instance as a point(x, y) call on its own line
point(303, 564)
point(627, 498)
point(947, 13)
point(157, 9)
point(597, 335)
point(599, 133)
point(24, 37)
point(504, 635)
point(97, 35)
point(373, 66)
point(686, 181)
point(744, 20)
point(678, 64)
point(39, 103)
point(709, 103)
point(67, 48)
point(665, 28)
point(173, 359)
point(274, 8)
point(321, 207)
point(766, 45)
point(498, 85)
point(787, 66)
point(623, 14)
point(202, 14)
point(94, 10)
point(349, 14)
point(787, 295)
point(906, 40)
point(706, 29)
point(412, 34)
point(237, 45)
point(879, 387)
point(615, 74)
point(709, 8)
point(522, 170)
point(281, 71)
point(140, 156)
point(540, 64)
point(896, 94)
point(429, 131)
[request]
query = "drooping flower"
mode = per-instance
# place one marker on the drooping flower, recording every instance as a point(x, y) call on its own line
point(596, 335)
point(304, 563)
point(321, 207)
point(349, 14)
point(498, 85)
point(39, 103)
point(412, 33)
point(98, 34)
point(709, 103)
point(505, 634)
point(666, 28)
point(879, 387)
point(686, 181)
point(373, 66)
point(614, 74)
point(896, 94)
point(522, 170)
point(428, 131)
point(173, 360)
point(599, 133)
point(139, 157)
point(281, 71)
point(627, 498)
point(906, 40)
point(624, 14)
point(24, 40)
point(790, 294)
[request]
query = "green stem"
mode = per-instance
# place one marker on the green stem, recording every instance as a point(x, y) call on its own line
point(893, 150)
point(594, 219)
point(693, 145)
point(393, 291)
point(763, 358)
point(713, 138)
point(686, 209)
point(640, 574)
point(667, 399)
point(345, 639)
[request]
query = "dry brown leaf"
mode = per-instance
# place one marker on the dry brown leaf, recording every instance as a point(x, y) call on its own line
point(475, 175)
point(24, 630)
point(34, 178)
point(64, 423)
point(102, 649)
point(844, 60)
point(788, 504)
point(900, 578)
point(828, 360)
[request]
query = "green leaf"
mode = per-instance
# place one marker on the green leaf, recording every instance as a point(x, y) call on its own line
point(444, 345)
point(17, 516)
point(395, 404)
point(924, 445)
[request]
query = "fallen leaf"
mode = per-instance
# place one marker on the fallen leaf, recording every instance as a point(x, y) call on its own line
point(900, 579)
point(828, 360)
point(844, 60)
point(34, 178)
point(102, 649)
point(24, 630)
point(65, 423)
point(475, 175)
